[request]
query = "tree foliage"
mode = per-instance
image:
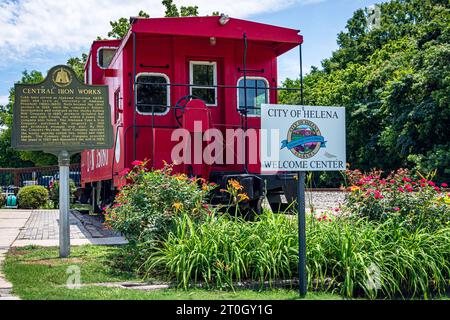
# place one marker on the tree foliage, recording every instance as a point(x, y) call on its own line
point(394, 80)
point(120, 27)
point(77, 65)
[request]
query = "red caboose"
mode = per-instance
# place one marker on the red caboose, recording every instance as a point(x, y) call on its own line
point(195, 74)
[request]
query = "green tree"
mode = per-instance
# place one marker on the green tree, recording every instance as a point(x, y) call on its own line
point(77, 65)
point(120, 27)
point(394, 80)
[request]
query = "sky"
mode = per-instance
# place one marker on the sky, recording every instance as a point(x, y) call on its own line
point(38, 34)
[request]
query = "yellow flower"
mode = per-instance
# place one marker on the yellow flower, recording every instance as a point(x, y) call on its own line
point(235, 184)
point(205, 187)
point(177, 205)
point(243, 197)
point(181, 177)
point(354, 188)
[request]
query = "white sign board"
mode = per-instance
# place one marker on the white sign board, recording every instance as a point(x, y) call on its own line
point(302, 138)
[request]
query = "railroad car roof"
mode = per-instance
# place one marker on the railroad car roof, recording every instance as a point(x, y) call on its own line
point(281, 39)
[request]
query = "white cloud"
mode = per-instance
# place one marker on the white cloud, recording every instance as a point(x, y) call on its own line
point(3, 100)
point(66, 25)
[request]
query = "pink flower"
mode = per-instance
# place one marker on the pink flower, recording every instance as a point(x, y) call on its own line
point(124, 172)
point(444, 185)
point(378, 195)
point(437, 189)
point(396, 209)
point(392, 181)
point(137, 163)
point(401, 189)
point(431, 183)
point(406, 179)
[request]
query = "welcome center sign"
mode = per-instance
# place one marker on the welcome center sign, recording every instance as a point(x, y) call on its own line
point(302, 138)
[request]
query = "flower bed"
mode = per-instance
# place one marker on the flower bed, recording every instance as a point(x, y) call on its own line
point(412, 201)
point(390, 239)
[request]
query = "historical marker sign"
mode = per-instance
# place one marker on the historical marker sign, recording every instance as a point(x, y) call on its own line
point(302, 138)
point(61, 114)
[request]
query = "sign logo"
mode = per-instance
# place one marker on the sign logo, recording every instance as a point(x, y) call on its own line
point(61, 77)
point(304, 139)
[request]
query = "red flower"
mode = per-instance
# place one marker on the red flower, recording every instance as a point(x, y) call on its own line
point(409, 188)
point(406, 179)
point(378, 195)
point(401, 189)
point(437, 189)
point(444, 185)
point(431, 183)
point(137, 163)
point(392, 181)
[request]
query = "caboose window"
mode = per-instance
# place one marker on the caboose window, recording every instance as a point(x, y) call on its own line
point(152, 93)
point(104, 56)
point(257, 94)
point(203, 78)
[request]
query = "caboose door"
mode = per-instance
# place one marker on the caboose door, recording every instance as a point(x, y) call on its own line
point(203, 79)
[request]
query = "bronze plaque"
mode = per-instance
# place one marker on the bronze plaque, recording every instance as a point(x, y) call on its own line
point(61, 113)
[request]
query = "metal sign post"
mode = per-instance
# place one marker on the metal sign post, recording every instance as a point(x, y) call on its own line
point(64, 196)
point(303, 285)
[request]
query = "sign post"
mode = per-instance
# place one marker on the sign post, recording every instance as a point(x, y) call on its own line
point(64, 197)
point(299, 139)
point(301, 234)
point(61, 116)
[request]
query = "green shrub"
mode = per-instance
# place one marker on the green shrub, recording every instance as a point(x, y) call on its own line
point(32, 197)
point(2, 200)
point(358, 257)
point(353, 257)
point(225, 249)
point(414, 202)
point(54, 192)
point(145, 208)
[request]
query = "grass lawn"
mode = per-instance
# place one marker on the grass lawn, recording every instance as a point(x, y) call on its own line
point(37, 273)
